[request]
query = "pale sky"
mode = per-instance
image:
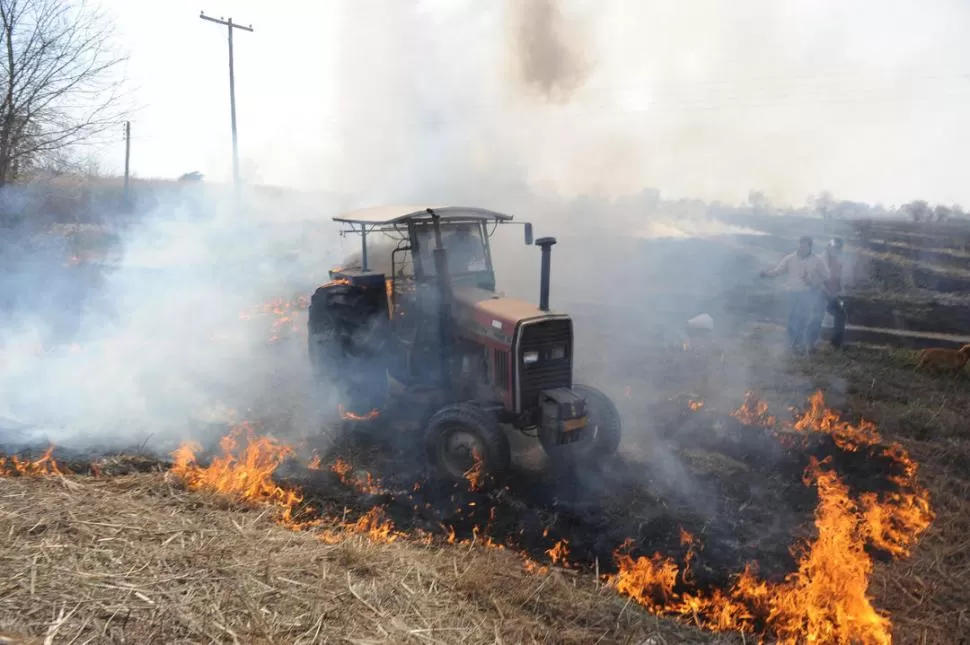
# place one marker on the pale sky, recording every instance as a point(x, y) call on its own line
point(708, 98)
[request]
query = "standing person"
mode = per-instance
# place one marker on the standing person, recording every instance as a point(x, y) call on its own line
point(806, 274)
point(831, 297)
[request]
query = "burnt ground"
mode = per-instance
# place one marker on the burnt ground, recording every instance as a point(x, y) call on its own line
point(757, 501)
point(735, 487)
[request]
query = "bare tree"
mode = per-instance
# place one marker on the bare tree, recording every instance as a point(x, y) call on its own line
point(59, 82)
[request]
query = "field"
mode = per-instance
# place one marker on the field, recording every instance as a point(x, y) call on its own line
point(342, 538)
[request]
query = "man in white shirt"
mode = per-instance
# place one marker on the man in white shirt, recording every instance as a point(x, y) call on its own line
point(806, 274)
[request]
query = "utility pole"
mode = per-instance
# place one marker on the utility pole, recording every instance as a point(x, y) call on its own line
point(230, 25)
point(127, 159)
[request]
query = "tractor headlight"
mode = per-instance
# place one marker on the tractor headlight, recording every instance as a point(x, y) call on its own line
point(530, 357)
point(557, 352)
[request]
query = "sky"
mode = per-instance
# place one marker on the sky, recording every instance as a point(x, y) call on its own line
point(706, 99)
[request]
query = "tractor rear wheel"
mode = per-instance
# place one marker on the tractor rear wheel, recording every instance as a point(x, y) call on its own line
point(605, 427)
point(464, 442)
point(346, 338)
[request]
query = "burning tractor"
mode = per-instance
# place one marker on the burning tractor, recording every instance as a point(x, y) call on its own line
point(424, 334)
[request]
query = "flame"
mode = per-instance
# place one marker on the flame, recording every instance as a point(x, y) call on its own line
point(372, 524)
point(367, 485)
point(817, 418)
point(340, 468)
point(695, 405)
point(245, 478)
point(350, 416)
point(314, 462)
point(895, 519)
point(558, 552)
point(475, 474)
point(43, 465)
point(754, 412)
point(248, 478)
point(283, 312)
point(825, 601)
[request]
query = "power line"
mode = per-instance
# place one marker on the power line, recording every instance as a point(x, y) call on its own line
point(230, 25)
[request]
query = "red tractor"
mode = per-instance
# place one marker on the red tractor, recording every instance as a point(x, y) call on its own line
point(424, 332)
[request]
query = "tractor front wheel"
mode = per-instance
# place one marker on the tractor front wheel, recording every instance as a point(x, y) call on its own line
point(465, 443)
point(605, 428)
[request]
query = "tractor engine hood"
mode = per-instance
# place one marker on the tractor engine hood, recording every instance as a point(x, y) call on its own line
point(489, 314)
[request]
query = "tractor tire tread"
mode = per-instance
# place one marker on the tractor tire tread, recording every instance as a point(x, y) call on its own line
point(497, 446)
point(610, 431)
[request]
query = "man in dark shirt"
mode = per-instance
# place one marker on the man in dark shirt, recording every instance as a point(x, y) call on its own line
point(832, 302)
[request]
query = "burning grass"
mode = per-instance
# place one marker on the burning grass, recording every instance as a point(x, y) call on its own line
point(286, 319)
point(826, 598)
point(868, 505)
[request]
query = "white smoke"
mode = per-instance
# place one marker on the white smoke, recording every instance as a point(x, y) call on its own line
point(173, 335)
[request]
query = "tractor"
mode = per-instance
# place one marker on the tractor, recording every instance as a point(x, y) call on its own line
point(415, 324)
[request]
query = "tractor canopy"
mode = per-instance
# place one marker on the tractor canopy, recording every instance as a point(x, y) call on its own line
point(464, 232)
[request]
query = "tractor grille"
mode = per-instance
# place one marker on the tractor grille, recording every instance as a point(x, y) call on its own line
point(501, 368)
point(548, 371)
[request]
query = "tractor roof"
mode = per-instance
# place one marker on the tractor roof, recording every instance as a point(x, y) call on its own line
point(383, 215)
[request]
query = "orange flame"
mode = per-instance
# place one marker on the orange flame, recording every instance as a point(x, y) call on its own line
point(475, 474)
point(366, 485)
point(43, 465)
point(827, 599)
point(754, 412)
point(372, 524)
point(695, 405)
point(245, 478)
point(895, 520)
point(824, 421)
point(558, 552)
point(531, 566)
point(350, 416)
point(282, 310)
point(314, 462)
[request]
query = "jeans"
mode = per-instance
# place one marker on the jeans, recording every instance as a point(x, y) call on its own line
point(801, 313)
point(837, 309)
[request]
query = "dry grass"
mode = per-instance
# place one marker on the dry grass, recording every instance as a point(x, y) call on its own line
point(135, 559)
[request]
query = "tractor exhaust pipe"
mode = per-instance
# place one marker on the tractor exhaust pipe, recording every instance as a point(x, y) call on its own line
point(545, 243)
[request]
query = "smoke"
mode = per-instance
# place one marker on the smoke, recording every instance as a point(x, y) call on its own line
point(168, 338)
point(532, 108)
point(547, 110)
point(547, 52)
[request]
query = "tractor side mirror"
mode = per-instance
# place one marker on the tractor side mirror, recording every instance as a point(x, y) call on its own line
point(528, 232)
